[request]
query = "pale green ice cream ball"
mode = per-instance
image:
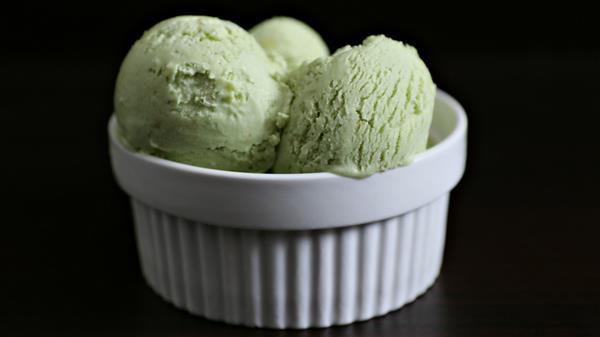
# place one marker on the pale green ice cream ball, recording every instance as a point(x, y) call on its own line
point(290, 40)
point(363, 110)
point(199, 90)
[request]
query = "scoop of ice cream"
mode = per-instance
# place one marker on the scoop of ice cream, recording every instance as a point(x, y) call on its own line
point(199, 90)
point(363, 110)
point(291, 40)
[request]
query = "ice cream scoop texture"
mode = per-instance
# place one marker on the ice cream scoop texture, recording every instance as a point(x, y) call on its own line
point(205, 92)
point(290, 40)
point(363, 110)
point(199, 90)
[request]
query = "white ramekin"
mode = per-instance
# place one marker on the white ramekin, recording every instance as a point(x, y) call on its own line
point(293, 250)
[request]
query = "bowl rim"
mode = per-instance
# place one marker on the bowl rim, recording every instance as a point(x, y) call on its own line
point(455, 136)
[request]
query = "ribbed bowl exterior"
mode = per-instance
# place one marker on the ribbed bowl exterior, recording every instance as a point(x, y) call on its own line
point(291, 279)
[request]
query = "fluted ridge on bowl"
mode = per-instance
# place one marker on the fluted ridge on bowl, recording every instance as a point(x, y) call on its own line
point(291, 279)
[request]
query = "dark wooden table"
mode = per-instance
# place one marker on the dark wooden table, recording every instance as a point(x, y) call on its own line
point(522, 255)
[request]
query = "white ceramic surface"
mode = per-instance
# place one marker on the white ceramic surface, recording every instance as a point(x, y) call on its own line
point(291, 279)
point(293, 250)
point(297, 201)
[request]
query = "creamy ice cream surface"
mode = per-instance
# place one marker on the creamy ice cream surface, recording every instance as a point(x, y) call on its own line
point(203, 91)
point(289, 41)
point(363, 110)
point(199, 90)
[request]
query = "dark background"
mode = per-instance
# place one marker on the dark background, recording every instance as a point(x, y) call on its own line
point(522, 256)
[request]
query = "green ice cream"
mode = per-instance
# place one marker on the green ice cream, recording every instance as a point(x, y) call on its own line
point(199, 90)
point(289, 40)
point(363, 110)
